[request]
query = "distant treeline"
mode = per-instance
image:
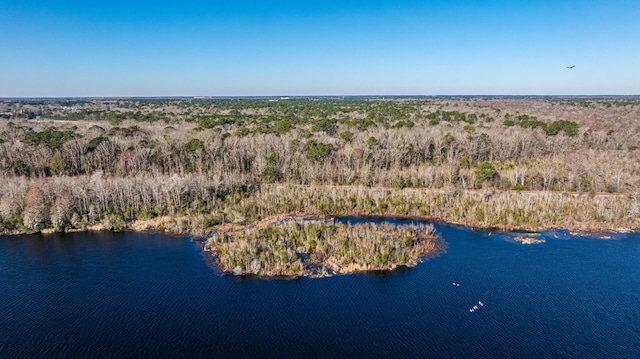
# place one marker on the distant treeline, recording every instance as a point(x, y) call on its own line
point(423, 156)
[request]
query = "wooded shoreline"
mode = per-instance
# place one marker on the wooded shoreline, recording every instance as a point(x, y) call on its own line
point(199, 166)
point(248, 233)
point(201, 224)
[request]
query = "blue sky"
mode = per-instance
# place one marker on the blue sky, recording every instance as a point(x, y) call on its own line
point(244, 48)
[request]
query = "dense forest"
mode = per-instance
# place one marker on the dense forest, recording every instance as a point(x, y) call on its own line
point(515, 162)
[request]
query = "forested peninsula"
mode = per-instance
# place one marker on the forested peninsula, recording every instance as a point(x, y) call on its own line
point(217, 168)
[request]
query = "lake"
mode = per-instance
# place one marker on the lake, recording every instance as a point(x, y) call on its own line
point(102, 294)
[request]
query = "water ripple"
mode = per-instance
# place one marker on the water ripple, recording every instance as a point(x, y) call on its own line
point(141, 295)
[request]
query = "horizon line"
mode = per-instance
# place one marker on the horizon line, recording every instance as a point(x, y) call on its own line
point(284, 97)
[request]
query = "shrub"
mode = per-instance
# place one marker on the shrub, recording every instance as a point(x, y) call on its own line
point(192, 146)
point(326, 125)
point(485, 172)
point(93, 144)
point(57, 165)
point(271, 170)
point(20, 168)
point(569, 128)
point(346, 136)
point(242, 132)
point(317, 150)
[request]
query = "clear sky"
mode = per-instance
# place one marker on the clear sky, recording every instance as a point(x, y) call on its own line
point(244, 48)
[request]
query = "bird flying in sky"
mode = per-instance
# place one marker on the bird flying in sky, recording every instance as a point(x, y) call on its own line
point(570, 67)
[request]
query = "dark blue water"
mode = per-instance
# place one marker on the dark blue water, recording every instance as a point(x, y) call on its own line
point(145, 295)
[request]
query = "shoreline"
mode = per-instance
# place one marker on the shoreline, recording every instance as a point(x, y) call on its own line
point(314, 269)
point(160, 225)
